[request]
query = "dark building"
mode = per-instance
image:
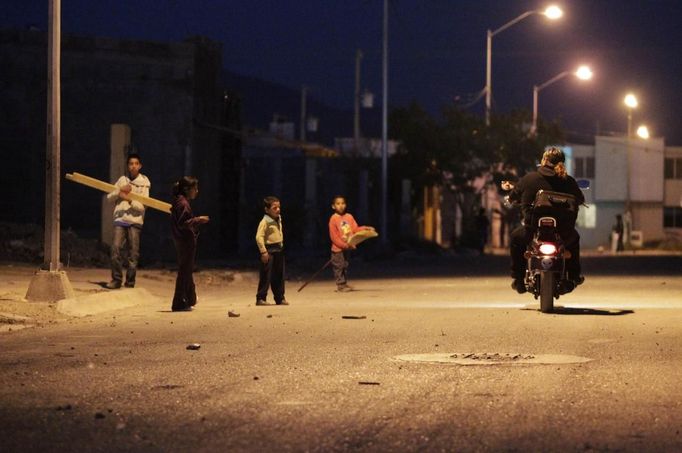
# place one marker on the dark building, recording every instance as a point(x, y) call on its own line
point(170, 99)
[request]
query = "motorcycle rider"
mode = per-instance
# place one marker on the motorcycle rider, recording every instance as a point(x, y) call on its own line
point(551, 175)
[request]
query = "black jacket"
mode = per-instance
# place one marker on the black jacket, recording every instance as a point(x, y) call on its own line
point(544, 179)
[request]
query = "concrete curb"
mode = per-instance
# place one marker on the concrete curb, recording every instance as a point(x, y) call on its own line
point(104, 301)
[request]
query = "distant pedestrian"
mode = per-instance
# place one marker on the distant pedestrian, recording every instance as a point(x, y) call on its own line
point(185, 229)
point(342, 226)
point(270, 242)
point(617, 232)
point(128, 221)
point(482, 226)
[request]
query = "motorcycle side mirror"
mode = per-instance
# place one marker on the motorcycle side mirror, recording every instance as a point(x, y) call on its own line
point(584, 184)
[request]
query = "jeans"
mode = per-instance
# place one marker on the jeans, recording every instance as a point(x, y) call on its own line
point(123, 236)
point(340, 266)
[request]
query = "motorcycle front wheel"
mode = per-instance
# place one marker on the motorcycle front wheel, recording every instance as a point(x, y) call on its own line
point(547, 292)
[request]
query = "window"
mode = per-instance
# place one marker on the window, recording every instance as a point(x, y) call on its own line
point(584, 167)
point(672, 168)
point(669, 168)
point(672, 217)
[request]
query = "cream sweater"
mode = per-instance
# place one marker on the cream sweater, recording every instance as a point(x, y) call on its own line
point(130, 213)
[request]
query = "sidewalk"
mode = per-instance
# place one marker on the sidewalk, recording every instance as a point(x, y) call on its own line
point(91, 297)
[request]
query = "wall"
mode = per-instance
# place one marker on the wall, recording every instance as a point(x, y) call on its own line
point(160, 90)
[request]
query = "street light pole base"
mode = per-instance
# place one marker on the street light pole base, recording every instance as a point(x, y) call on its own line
point(49, 286)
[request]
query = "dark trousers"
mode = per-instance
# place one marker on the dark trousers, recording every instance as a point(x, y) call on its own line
point(185, 292)
point(123, 236)
point(340, 266)
point(272, 276)
point(521, 237)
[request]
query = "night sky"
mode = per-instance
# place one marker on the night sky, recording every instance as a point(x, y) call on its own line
point(437, 49)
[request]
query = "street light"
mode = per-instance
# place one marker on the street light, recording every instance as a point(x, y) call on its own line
point(552, 12)
point(582, 73)
point(630, 102)
point(643, 132)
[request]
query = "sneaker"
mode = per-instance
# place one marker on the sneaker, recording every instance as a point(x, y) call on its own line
point(129, 285)
point(283, 302)
point(182, 309)
point(519, 285)
point(343, 289)
point(114, 284)
point(262, 302)
point(579, 280)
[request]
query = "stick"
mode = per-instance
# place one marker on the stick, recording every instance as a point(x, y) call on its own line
point(106, 187)
point(315, 275)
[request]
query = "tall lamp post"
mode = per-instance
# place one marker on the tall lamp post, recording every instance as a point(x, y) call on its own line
point(631, 103)
point(551, 12)
point(582, 73)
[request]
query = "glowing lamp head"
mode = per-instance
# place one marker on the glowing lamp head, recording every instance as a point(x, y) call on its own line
point(553, 12)
point(584, 73)
point(631, 101)
point(547, 249)
point(643, 132)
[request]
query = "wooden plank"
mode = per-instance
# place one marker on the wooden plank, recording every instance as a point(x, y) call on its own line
point(106, 187)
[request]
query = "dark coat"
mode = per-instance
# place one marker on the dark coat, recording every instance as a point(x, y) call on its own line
point(183, 223)
point(544, 179)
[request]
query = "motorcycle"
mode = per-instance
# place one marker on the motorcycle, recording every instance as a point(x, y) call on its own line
point(546, 254)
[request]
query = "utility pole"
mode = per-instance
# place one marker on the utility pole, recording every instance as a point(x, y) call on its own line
point(53, 163)
point(51, 284)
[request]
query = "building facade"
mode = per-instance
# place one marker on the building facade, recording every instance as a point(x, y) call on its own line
point(164, 101)
point(635, 178)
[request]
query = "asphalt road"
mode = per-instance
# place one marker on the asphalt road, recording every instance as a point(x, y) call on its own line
point(303, 378)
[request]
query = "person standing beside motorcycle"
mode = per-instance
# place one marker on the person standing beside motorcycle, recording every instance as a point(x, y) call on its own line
point(551, 175)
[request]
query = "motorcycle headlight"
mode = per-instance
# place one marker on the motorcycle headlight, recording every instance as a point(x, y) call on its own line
point(547, 249)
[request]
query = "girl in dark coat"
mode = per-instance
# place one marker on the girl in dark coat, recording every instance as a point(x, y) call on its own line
point(185, 228)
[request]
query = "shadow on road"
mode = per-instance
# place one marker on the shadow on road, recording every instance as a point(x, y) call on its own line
point(102, 284)
point(590, 311)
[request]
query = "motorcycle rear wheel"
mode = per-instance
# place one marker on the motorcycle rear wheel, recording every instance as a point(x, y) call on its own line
point(547, 292)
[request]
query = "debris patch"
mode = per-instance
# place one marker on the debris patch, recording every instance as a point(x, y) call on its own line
point(492, 358)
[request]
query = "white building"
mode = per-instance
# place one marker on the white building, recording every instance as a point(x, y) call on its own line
point(642, 174)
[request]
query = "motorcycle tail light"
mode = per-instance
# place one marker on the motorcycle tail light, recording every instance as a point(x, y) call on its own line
point(547, 249)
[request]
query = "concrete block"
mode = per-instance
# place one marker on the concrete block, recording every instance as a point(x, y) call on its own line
point(104, 301)
point(49, 286)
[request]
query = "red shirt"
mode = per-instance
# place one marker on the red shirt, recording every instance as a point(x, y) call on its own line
point(341, 228)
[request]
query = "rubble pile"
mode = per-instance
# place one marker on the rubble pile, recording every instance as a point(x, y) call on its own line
point(25, 242)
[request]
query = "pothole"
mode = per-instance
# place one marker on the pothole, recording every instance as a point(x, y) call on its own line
point(492, 358)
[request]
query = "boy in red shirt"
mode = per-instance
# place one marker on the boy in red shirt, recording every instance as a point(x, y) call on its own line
point(342, 226)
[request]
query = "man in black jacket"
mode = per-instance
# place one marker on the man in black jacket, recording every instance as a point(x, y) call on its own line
point(550, 176)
